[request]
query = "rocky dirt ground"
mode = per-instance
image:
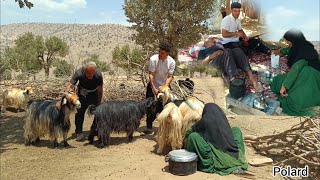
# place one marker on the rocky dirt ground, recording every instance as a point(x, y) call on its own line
point(136, 160)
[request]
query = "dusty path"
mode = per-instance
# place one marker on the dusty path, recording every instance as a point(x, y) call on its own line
point(121, 160)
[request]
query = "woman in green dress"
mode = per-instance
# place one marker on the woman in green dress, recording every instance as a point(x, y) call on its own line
point(219, 147)
point(299, 90)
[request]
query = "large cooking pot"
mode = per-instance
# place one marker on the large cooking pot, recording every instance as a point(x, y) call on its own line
point(182, 162)
point(237, 88)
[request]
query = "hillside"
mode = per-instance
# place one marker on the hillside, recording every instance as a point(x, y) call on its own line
point(83, 39)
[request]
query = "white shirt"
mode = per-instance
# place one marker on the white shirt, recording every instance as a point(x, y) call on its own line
point(230, 24)
point(161, 68)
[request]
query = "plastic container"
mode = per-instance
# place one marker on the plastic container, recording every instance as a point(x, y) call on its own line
point(275, 60)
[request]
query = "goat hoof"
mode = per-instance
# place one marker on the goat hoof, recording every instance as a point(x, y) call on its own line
point(90, 139)
point(100, 145)
point(37, 140)
point(159, 151)
point(55, 145)
point(65, 144)
point(27, 143)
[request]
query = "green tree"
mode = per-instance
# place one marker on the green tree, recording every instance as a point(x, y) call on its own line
point(23, 3)
point(103, 66)
point(5, 72)
point(63, 68)
point(22, 58)
point(132, 61)
point(177, 22)
point(30, 48)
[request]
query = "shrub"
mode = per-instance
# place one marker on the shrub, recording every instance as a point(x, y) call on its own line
point(103, 66)
point(63, 68)
point(6, 75)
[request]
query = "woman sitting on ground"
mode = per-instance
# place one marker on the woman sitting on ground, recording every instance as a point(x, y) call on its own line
point(228, 60)
point(219, 147)
point(299, 90)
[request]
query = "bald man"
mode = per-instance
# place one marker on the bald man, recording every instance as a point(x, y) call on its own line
point(90, 90)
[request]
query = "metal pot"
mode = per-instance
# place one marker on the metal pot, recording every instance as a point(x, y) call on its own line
point(237, 88)
point(182, 162)
point(260, 102)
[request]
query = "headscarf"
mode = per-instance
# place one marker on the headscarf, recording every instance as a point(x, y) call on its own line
point(301, 49)
point(215, 129)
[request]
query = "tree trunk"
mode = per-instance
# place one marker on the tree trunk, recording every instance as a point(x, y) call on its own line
point(129, 70)
point(228, 7)
point(47, 70)
point(143, 76)
point(244, 8)
point(252, 9)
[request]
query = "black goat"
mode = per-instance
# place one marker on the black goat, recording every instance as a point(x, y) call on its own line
point(117, 116)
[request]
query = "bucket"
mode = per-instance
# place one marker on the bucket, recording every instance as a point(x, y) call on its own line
point(237, 88)
point(182, 162)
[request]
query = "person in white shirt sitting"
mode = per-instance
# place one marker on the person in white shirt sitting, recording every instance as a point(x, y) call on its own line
point(232, 33)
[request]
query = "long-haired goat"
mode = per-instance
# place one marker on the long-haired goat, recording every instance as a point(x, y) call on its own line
point(117, 116)
point(16, 98)
point(45, 117)
point(172, 128)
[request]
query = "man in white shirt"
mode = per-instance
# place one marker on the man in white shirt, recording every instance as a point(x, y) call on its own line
point(161, 69)
point(232, 33)
point(231, 26)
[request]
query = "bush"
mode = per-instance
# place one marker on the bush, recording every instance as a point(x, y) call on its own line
point(6, 75)
point(22, 77)
point(102, 66)
point(212, 71)
point(63, 69)
point(182, 70)
point(112, 72)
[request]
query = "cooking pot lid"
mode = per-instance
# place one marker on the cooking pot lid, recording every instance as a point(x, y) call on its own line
point(237, 82)
point(259, 104)
point(182, 155)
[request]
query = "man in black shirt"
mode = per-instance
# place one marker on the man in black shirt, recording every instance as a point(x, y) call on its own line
point(90, 89)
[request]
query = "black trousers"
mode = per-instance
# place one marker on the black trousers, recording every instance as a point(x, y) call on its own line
point(232, 45)
point(230, 61)
point(254, 44)
point(90, 98)
point(152, 112)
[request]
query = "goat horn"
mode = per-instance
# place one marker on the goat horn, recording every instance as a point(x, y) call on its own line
point(159, 95)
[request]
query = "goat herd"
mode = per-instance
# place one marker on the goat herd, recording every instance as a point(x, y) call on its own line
point(52, 118)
